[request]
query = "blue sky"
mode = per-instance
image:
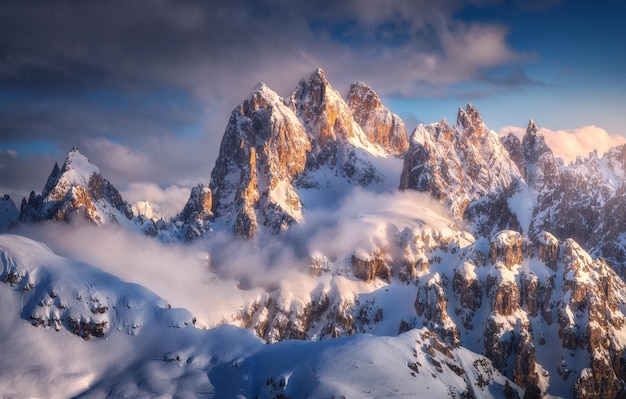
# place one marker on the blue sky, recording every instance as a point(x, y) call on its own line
point(573, 62)
point(145, 88)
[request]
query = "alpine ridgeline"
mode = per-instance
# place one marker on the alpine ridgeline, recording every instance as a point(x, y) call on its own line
point(524, 268)
point(517, 281)
point(279, 156)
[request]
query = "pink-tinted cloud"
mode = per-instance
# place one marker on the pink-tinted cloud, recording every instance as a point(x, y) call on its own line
point(572, 143)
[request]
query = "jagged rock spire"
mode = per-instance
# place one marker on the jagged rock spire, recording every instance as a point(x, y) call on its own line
point(263, 138)
point(459, 165)
point(271, 148)
point(379, 124)
point(534, 143)
point(470, 119)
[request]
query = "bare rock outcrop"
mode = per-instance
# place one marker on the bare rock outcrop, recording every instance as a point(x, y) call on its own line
point(263, 138)
point(589, 316)
point(380, 125)
point(509, 247)
point(431, 303)
point(196, 215)
point(468, 290)
point(369, 269)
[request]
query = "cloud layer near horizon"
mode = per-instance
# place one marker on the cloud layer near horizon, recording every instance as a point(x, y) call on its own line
point(571, 143)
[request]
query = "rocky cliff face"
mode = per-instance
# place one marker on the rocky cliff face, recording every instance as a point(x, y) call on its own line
point(543, 170)
point(264, 149)
point(380, 125)
point(337, 141)
point(519, 185)
point(586, 203)
point(274, 148)
point(458, 164)
point(76, 190)
point(196, 215)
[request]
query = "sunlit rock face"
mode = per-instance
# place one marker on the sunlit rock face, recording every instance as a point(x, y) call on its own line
point(337, 140)
point(263, 149)
point(195, 218)
point(273, 148)
point(458, 164)
point(379, 124)
point(76, 190)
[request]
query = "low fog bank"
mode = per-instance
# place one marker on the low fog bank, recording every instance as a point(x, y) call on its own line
point(178, 273)
point(213, 278)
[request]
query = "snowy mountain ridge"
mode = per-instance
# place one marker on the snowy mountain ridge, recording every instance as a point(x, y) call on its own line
point(490, 246)
point(145, 348)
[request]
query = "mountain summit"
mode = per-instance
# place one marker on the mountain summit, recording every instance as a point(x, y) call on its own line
point(275, 150)
point(77, 189)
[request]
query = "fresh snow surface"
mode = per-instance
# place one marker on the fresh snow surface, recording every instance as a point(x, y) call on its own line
point(522, 203)
point(150, 350)
point(78, 170)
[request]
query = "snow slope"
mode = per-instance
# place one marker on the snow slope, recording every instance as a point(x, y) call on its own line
point(149, 350)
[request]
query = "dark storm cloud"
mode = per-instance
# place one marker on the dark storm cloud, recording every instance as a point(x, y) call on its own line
point(141, 74)
point(214, 49)
point(19, 172)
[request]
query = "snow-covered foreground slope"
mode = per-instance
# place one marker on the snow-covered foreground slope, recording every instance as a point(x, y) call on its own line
point(143, 348)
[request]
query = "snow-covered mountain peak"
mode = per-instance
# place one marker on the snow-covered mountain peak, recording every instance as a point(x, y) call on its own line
point(540, 162)
point(458, 164)
point(76, 171)
point(261, 97)
point(365, 94)
point(274, 148)
point(79, 164)
point(534, 143)
point(76, 188)
point(532, 127)
point(318, 78)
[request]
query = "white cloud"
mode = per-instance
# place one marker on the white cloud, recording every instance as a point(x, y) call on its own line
point(571, 143)
point(116, 157)
point(171, 199)
point(469, 48)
